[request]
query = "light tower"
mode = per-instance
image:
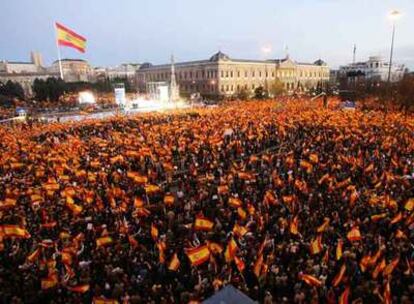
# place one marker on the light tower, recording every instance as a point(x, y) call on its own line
point(174, 95)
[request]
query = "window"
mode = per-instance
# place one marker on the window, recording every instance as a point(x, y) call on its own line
point(238, 74)
point(231, 74)
point(222, 74)
point(222, 88)
point(267, 74)
point(227, 74)
point(191, 74)
point(252, 73)
point(273, 74)
point(238, 87)
point(196, 74)
point(245, 74)
point(231, 88)
point(227, 88)
point(260, 74)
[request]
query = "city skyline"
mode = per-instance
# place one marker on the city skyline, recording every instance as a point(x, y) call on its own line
point(151, 31)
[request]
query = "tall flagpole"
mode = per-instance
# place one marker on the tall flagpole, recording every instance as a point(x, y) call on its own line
point(58, 50)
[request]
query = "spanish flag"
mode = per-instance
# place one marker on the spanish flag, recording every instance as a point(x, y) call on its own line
point(203, 224)
point(310, 280)
point(154, 232)
point(257, 267)
point(239, 231)
point(387, 293)
point(396, 218)
point(235, 202)
point(231, 250)
point(49, 282)
point(169, 200)
point(294, 226)
point(103, 241)
point(339, 249)
point(409, 206)
point(14, 231)
point(198, 255)
point(338, 278)
point(379, 268)
point(316, 245)
point(101, 300)
point(354, 235)
point(215, 248)
point(69, 38)
point(80, 288)
point(343, 298)
point(239, 263)
point(174, 263)
point(390, 267)
point(324, 225)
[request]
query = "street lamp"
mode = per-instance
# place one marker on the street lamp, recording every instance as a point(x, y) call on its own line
point(394, 16)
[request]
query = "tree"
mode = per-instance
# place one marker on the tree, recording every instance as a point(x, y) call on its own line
point(276, 88)
point(12, 89)
point(56, 88)
point(40, 89)
point(51, 89)
point(260, 93)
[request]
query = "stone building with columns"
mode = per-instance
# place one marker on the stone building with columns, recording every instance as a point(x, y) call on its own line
point(221, 75)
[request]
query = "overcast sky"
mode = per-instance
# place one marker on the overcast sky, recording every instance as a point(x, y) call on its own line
point(150, 30)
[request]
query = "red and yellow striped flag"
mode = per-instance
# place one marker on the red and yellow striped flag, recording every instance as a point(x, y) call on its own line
point(324, 225)
point(203, 224)
point(67, 37)
point(80, 288)
point(379, 268)
point(316, 245)
point(338, 278)
point(343, 298)
point(14, 231)
point(257, 267)
point(339, 249)
point(294, 226)
point(239, 263)
point(198, 255)
point(103, 241)
point(354, 235)
point(239, 231)
point(154, 232)
point(101, 300)
point(390, 267)
point(49, 282)
point(174, 263)
point(310, 280)
point(387, 293)
point(231, 250)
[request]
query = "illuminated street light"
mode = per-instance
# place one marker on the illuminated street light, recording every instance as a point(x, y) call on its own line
point(393, 16)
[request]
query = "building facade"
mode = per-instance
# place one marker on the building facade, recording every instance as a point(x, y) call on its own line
point(223, 76)
point(25, 73)
point(375, 69)
point(74, 70)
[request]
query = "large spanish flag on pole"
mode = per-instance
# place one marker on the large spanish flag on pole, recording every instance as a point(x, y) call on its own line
point(67, 37)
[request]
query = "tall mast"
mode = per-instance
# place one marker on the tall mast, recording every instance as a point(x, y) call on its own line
point(173, 83)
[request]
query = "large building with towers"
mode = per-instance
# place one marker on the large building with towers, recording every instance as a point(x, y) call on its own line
point(221, 75)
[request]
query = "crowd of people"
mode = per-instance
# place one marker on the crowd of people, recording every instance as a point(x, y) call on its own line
point(288, 202)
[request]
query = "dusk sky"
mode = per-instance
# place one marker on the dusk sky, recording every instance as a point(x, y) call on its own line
point(140, 30)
